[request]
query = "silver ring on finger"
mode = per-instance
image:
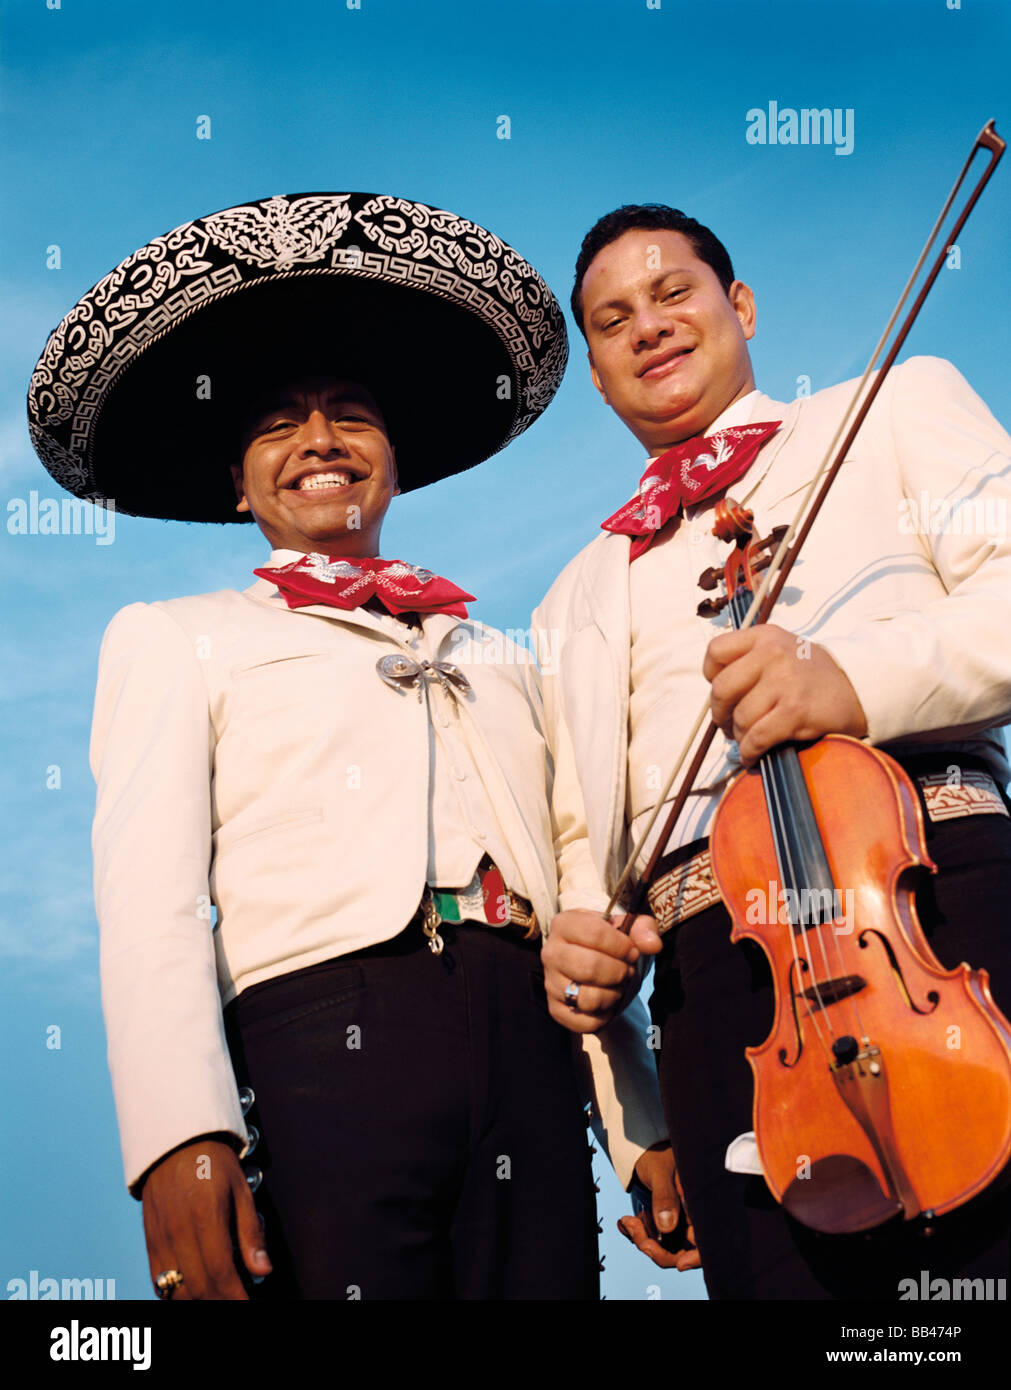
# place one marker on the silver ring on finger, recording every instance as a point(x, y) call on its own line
point(571, 995)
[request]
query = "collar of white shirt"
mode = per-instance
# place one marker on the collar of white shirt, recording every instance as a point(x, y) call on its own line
point(738, 412)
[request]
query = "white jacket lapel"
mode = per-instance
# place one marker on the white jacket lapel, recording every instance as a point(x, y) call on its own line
point(767, 409)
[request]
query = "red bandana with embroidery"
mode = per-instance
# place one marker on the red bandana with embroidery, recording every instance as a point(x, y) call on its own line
point(348, 583)
point(690, 472)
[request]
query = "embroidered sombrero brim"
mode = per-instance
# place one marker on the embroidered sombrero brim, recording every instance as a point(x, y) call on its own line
point(139, 393)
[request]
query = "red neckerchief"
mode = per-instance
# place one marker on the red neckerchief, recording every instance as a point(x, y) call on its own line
point(691, 471)
point(346, 582)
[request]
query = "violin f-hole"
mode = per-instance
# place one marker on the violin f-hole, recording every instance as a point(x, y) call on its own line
point(933, 997)
point(795, 994)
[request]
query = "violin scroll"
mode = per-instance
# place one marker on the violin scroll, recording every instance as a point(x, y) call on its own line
point(749, 556)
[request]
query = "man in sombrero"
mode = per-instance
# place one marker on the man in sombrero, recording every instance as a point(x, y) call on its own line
point(322, 841)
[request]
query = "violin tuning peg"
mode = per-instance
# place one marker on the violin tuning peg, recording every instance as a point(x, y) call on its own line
point(709, 579)
point(709, 607)
point(774, 537)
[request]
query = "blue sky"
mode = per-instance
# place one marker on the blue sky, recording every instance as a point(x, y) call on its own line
point(610, 101)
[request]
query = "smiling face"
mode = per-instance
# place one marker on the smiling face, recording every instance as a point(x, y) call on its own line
point(667, 344)
point(318, 471)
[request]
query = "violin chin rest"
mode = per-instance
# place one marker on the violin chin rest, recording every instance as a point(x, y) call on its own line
point(840, 1196)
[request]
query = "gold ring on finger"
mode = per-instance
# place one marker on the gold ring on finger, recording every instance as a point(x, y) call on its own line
point(167, 1282)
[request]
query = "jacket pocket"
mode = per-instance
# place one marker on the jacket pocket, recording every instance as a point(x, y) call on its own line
point(285, 820)
point(278, 663)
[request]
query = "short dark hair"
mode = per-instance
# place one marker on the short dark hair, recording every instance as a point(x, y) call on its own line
point(649, 217)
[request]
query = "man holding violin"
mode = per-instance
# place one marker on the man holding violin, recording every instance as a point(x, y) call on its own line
point(891, 629)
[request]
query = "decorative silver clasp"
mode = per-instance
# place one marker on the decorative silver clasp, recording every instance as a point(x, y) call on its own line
point(400, 672)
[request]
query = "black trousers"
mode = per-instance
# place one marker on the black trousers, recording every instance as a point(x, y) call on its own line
point(712, 999)
point(422, 1133)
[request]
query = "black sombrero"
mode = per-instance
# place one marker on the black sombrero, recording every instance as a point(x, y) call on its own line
point(137, 395)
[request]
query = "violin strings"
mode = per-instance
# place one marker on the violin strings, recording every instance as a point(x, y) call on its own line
point(774, 799)
point(776, 796)
point(788, 870)
point(805, 877)
point(850, 1001)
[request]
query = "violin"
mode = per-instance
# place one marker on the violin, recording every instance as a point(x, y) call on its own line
point(884, 1087)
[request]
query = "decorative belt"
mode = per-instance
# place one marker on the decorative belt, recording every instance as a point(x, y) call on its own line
point(486, 899)
point(688, 888)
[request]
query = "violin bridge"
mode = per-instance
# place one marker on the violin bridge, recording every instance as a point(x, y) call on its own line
point(832, 991)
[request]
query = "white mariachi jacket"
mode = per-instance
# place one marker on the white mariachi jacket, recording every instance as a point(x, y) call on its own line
point(249, 757)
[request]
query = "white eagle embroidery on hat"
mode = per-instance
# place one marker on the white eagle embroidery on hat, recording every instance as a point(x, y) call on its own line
point(281, 231)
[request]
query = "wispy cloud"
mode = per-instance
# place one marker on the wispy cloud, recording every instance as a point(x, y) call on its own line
point(50, 917)
point(19, 464)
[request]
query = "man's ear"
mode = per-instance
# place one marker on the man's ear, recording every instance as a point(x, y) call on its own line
point(742, 298)
point(596, 378)
point(393, 468)
point(240, 491)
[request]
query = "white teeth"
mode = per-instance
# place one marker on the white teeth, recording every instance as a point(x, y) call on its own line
point(318, 481)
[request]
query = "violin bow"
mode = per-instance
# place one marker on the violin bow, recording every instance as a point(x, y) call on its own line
point(796, 534)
